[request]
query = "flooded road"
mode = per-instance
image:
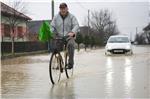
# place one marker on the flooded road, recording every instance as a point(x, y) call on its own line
point(95, 76)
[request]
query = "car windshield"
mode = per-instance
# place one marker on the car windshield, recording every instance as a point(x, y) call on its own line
point(118, 40)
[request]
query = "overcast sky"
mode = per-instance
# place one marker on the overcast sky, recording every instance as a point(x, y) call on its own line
point(129, 14)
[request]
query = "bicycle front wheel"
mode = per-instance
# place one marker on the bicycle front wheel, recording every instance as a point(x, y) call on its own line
point(55, 67)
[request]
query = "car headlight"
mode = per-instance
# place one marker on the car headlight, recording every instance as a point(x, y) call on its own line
point(108, 47)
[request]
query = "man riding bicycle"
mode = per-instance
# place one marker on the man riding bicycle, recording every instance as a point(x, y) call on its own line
point(66, 24)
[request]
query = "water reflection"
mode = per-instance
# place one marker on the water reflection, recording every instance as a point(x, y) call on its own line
point(26, 60)
point(13, 82)
point(109, 62)
point(127, 61)
point(109, 76)
point(128, 76)
point(63, 90)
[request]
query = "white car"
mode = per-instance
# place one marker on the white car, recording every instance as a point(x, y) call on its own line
point(118, 44)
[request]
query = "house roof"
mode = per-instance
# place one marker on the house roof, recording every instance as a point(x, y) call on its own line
point(34, 26)
point(147, 28)
point(7, 11)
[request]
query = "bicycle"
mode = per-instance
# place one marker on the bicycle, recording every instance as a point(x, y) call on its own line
point(58, 64)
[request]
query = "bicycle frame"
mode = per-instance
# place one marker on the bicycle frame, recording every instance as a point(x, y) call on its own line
point(61, 63)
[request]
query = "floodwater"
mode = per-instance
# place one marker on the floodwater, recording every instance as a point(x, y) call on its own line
point(95, 76)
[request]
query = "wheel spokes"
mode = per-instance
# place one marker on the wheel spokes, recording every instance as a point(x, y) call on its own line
point(55, 69)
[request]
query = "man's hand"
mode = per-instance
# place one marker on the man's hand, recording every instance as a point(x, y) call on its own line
point(71, 34)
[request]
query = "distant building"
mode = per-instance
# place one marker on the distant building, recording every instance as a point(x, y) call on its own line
point(147, 32)
point(33, 28)
point(147, 28)
point(20, 30)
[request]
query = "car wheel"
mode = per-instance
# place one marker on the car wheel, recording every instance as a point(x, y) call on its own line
point(130, 53)
point(105, 53)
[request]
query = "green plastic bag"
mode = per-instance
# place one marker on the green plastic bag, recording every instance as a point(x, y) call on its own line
point(45, 33)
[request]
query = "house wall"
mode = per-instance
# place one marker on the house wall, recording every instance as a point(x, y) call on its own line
point(20, 31)
point(21, 21)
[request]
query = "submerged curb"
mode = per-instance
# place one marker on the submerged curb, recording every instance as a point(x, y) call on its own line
point(23, 54)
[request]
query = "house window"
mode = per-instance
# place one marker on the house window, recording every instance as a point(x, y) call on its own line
point(20, 32)
point(6, 30)
point(2, 29)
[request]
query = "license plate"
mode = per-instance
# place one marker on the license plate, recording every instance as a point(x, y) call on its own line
point(118, 50)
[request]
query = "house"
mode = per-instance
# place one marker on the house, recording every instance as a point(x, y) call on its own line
point(147, 32)
point(33, 28)
point(20, 30)
point(147, 28)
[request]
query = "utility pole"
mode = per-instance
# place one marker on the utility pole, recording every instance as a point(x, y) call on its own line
point(130, 36)
point(88, 21)
point(136, 30)
point(52, 9)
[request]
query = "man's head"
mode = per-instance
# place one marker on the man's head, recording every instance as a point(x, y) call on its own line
point(63, 9)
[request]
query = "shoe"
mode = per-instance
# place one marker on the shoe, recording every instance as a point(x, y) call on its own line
point(61, 70)
point(69, 66)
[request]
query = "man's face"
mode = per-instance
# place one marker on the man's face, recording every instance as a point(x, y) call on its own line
point(63, 11)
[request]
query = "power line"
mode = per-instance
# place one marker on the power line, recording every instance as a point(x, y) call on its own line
point(81, 5)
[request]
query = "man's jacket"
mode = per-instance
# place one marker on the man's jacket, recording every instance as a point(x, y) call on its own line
point(63, 26)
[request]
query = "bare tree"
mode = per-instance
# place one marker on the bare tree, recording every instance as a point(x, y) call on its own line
point(140, 38)
point(14, 17)
point(111, 29)
point(102, 21)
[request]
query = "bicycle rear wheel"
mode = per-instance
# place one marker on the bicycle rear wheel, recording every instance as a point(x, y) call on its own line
point(69, 72)
point(55, 67)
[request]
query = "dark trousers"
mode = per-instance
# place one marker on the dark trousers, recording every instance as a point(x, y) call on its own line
point(71, 47)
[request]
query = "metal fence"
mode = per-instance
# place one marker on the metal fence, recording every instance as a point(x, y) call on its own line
point(23, 47)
